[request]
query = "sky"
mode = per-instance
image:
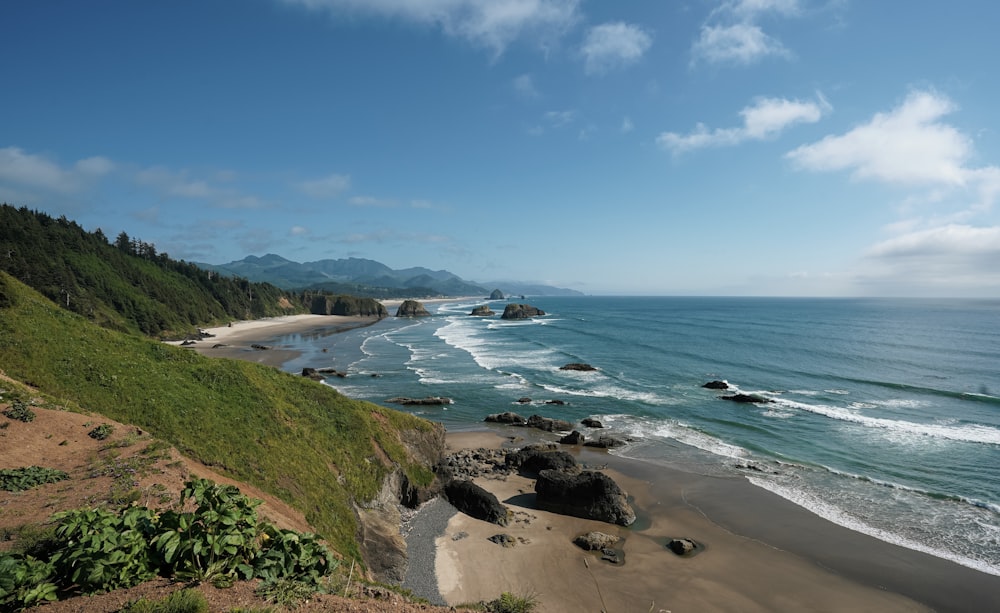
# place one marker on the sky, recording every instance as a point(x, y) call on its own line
point(672, 147)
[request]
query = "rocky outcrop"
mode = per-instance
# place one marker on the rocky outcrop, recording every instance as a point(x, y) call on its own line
point(573, 438)
point(347, 305)
point(716, 385)
point(496, 295)
point(548, 424)
point(683, 546)
point(578, 366)
point(524, 400)
point(533, 460)
point(607, 441)
point(521, 311)
point(428, 401)
point(592, 541)
point(475, 501)
point(590, 422)
point(589, 495)
point(311, 373)
point(506, 418)
point(504, 540)
point(412, 308)
point(747, 398)
point(482, 310)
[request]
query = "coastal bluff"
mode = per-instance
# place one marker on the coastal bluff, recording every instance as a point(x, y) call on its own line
point(412, 308)
point(352, 306)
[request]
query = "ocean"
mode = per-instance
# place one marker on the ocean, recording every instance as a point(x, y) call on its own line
point(886, 412)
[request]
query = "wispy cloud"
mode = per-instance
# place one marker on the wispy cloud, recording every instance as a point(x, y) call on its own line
point(766, 118)
point(371, 201)
point(627, 125)
point(326, 187)
point(559, 119)
point(525, 87)
point(35, 171)
point(614, 45)
point(731, 33)
point(493, 24)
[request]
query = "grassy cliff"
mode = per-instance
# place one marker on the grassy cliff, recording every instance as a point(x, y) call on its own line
point(297, 439)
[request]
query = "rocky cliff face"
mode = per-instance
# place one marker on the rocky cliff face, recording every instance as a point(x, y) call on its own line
point(520, 311)
point(412, 308)
point(347, 305)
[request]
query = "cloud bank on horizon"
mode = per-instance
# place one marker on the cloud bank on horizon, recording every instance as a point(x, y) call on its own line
point(754, 147)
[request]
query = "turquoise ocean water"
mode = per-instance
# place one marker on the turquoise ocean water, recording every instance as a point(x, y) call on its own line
point(886, 417)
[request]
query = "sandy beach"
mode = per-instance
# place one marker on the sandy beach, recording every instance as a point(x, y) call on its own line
point(761, 553)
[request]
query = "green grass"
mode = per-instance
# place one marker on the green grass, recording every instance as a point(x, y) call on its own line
point(292, 437)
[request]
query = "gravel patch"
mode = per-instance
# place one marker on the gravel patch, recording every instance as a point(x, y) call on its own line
point(420, 530)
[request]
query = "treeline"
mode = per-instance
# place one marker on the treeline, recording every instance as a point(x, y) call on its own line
point(126, 284)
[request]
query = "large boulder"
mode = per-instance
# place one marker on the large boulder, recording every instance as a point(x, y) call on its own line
point(578, 366)
point(589, 494)
point(548, 424)
point(533, 460)
point(521, 311)
point(573, 438)
point(716, 385)
point(475, 501)
point(412, 308)
point(593, 541)
point(482, 310)
point(607, 441)
point(496, 295)
point(590, 422)
point(507, 417)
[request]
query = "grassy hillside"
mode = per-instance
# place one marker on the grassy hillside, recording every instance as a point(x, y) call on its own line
point(292, 437)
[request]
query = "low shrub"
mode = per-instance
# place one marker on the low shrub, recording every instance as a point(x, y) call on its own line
point(19, 411)
point(182, 601)
point(25, 478)
point(101, 432)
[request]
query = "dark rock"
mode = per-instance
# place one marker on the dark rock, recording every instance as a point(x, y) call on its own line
point(188, 343)
point(412, 308)
point(476, 502)
point(535, 460)
point(428, 401)
point(613, 556)
point(524, 400)
point(259, 347)
point(577, 366)
point(482, 311)
point(592, 541)
point(556, 402)
point(606, 441)
point(683, 546)
point(589, 494)
point(521, 311)
point(312, 373)
point(548, 424)
point(716, 385)
point(506, 418)
point(347, 305)
point(496, 295)
point(218, 345)
point(747, 398)
point(573, 438)
point(504, 540)
point(590, 422)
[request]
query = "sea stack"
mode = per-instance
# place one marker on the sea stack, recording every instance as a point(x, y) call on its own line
point(412, 308)
point(521, 311)
point(496, 295)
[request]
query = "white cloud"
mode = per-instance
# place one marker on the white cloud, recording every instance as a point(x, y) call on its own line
point(614, 45)
point(908, 145)
point(559, 119)
point(493, 24)
point(742, 43)
point(327, 187)
point(36, 171)
point(750, 9)
point(298, 231)
point(371, 201)
point(524, 85)
point(627, 125)
point(764, 119)
point(950, 260)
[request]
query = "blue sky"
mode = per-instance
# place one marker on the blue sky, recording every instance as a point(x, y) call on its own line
point(741, 147)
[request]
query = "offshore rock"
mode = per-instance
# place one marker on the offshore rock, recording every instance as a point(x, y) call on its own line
point(521, 311)
point(548, 424)
point(746, 398)
point(482, 310)
point(578, 366)
point(496, 295)
point(506, 417)
point(412, 308)
point(428, 401)
point(716, 385)
point(590, 422)
point(589, 495)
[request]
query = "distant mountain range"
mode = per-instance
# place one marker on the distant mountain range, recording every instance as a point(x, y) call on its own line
point(364, 277)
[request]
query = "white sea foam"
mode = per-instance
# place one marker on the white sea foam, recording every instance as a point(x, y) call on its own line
point(972, 433)
point(838, 516)
point(645, 429)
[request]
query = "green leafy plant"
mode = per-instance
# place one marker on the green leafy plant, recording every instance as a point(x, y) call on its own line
point(20, 479)
point(512, 603)
point(287, 553)
point(24, 582)
point(182, 601)
point(101, 432)
point(286, 592)
point(19, 411)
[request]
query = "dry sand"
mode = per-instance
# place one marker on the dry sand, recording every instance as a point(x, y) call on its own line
point(732, 573)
